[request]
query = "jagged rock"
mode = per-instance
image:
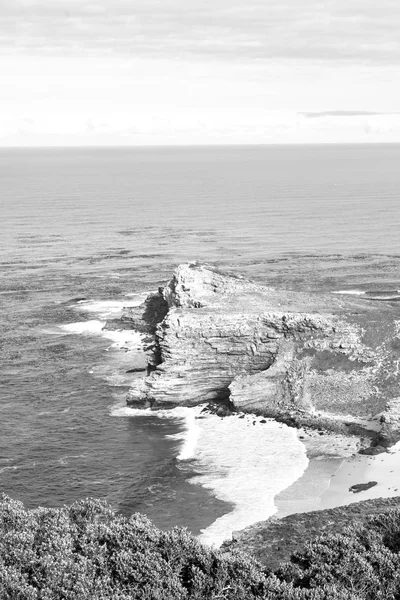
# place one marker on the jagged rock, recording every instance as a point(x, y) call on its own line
point(145, 318)
point(306, 358)
point(390, 423)
point(373, 450)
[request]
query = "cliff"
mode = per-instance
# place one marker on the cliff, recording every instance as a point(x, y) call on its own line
point(304, 358)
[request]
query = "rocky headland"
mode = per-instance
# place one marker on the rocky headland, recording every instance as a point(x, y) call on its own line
point(319, 360)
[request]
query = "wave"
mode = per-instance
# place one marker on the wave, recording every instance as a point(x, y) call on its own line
point(189, 416)
point(350, 292)
point(244, 460)
point(64, 460)
point(372, 294)
point(106, 309)
point(247, 462)
point(127, 339)
point(93, 327)
point(189, 437)
point(8, 469)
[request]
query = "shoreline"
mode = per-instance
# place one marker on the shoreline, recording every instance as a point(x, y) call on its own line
point(333, 468)
point(217, 331)
point(320, 501)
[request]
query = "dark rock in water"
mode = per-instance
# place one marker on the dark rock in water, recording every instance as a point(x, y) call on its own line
point(275, 540)
point(361, 487)
point(136, 370)
point(263, 421)
point(373, 450)
point(221, 410)
point(306, 359)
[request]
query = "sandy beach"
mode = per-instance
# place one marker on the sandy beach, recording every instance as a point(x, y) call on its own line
point(334, 467)
point(383, 468)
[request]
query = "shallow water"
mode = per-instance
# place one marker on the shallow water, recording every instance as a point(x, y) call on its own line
point(86, 231)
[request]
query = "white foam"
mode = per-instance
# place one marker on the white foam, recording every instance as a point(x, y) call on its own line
point(189, 446)
point(8, 469)
point(247, 465)
point(350, 292)
point(110, 308)
point(119, 410)
point(64, 460)
point(180, 412)
point(127, 339)
point(93, 327)
point(142, 296)
point(243, 464)
point(189, 436)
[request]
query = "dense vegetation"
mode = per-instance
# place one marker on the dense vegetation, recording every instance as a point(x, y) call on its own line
point(85, 551)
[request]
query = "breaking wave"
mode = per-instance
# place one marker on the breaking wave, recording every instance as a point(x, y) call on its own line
point(244, 460)
point(106, 309)
point(349, 292)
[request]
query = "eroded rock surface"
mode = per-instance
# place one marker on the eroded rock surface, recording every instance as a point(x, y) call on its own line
point(308, 358)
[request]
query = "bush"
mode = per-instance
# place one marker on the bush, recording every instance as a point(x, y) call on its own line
point(86, 551)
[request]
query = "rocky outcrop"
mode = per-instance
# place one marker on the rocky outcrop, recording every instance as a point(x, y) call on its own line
point(361, 487)
point(274, 541)
point(147, 316)
point(306, 358)
point(390, 423)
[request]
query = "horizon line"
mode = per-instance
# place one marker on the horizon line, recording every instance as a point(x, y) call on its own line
point(200, 145)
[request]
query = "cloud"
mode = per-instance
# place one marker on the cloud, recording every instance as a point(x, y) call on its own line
point(344, 113)
point(240, 29)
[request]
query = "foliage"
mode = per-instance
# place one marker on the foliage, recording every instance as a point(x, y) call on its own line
point(86, 551)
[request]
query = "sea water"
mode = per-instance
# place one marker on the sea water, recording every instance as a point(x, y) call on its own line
point(85, 232)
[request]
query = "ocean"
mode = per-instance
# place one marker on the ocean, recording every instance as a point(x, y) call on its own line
point(85, 232)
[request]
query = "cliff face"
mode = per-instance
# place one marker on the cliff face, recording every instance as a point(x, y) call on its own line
point(307, 358)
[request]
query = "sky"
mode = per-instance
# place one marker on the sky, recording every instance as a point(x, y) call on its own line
point(154, 72)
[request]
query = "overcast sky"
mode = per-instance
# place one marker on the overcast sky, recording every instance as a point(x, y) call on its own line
point(199, 71)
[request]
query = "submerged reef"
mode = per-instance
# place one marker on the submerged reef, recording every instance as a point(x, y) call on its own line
point(308, 359)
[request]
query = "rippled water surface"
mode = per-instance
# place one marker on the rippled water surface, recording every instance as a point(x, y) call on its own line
point(83, 227)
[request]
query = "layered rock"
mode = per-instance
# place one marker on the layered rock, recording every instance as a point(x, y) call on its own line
point(307, 357)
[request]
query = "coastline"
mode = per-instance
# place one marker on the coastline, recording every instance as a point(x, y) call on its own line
point(315, 363)
point(333, 468)
point(334, 465)
point(320, 501)
point(383, 468)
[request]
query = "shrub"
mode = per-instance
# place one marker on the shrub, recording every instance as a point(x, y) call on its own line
point(86, 551)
